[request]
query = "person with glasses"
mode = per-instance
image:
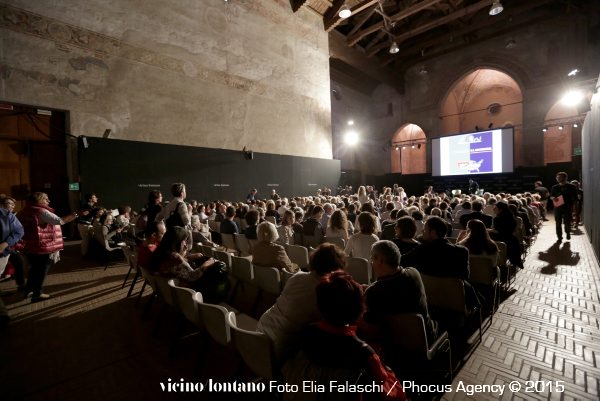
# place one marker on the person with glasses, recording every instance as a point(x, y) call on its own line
point(43, 240)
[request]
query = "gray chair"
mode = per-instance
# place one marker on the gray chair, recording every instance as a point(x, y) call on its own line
point(298, 255)
point(486, 275)
point(242, 244)
point(360, 270)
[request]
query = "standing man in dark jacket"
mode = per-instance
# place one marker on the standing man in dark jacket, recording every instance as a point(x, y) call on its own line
point(563, 195)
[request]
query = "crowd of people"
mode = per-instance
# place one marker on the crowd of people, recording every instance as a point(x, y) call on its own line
point(321, 313)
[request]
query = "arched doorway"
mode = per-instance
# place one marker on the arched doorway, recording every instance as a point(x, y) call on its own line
point(409, 150)
point(558, 135)
point(481, 99)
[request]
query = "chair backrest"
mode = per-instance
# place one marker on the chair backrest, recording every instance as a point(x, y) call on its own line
point(214, 319)
point(271, 219)
point(502, 253)
point(223, 256)
point(445, 293)
point(184, 298)
point(149, 277)
point(406, 331)
point(228, 241)
point(285, 276)
point(483, 270)
point(298, 255)
point(164, 290)
point(214, 225)
point(255, 348)
point(267, 279)
point(207, 250)
point(253, 243)
point(311, 241)
point(359, 269)
point(335, 241)
point(242, 269)
point(242, 244)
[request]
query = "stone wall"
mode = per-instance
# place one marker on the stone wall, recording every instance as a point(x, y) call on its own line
point(195, 72)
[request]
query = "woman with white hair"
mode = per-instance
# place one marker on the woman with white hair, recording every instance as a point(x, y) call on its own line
point(269, 254)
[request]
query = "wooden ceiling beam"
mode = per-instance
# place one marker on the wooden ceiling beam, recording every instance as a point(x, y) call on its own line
point(296, 4)
point(331, 19)
point(364, 18)
point(407, 12)
point(505, 16)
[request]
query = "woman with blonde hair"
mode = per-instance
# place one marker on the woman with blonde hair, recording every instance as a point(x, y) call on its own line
point(337, 227)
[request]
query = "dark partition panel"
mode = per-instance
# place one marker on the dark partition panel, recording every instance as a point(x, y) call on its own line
point(122, 172)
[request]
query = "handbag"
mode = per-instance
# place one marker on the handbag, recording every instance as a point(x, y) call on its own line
point(174, 218)
point(214, 283)
point(558, 201)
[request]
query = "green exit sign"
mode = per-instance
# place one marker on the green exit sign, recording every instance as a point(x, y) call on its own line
point(73, 186)
point(577, 151)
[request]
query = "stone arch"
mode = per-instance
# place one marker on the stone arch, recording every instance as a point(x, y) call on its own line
point(409, 150)
point(481, 97)
point(558, 143)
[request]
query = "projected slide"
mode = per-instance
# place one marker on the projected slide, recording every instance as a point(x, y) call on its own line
point(475, 153)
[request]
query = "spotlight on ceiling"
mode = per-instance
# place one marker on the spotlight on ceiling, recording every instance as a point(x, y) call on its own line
point(560, 127)
point(572, 98)
point(496, 8)
point(575, 125)
point(544, 129)
point(351, 138)
point(412, 147)
point(350, 122)
point(397, 147)
point(394, 48)
point(403, 147)
point(345, 12)
point(572, 73)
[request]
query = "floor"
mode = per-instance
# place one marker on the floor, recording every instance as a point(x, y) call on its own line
point(89, 342)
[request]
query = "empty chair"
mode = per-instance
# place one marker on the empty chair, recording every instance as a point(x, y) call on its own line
point(184, 298)
point(360, 270)
point(408, 351)
point(298, 255)
point(255, 348)
point(242, 272)
point(335, 241)
point(242, 244)
point(214, 319)
point(164, 291)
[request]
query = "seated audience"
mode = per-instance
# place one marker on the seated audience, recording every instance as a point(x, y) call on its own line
point(406, 229)
point(477, 207)
point(228, 226)
point(296, 307)
point(337, 226)
point(504, 225)
point(252, 221)
point(269, 254)
point(286, 229)
point(359, 245)
point(312, 227)
point(397, 289)
point(330, 349)
point(478, 241)
point(155, 232)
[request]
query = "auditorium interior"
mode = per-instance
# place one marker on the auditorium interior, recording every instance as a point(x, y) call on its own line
point(305, 98)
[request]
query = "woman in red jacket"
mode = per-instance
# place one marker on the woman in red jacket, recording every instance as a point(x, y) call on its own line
point(43, 241)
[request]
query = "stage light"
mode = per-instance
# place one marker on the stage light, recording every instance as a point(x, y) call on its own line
point(345, 12)
point(572, 73)
point(397, 147)
point(413, 146)
point(394, 48)
point(560, 127)
point(575, 125)
point(572, 97)
point(350, 122)
point(496, 8)
point(351, 138)
point(544, 129)
point(403, 147)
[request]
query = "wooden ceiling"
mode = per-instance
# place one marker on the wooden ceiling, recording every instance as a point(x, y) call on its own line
point(424, 29)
